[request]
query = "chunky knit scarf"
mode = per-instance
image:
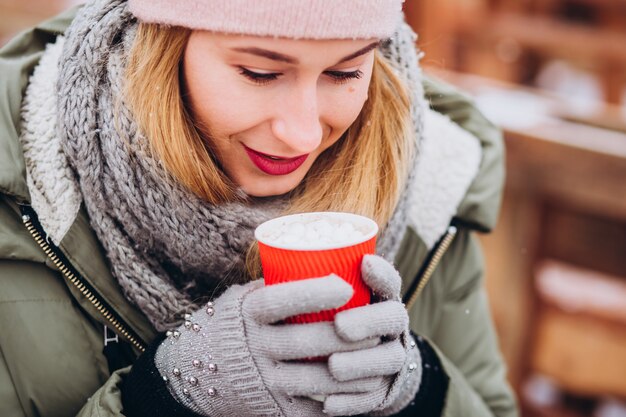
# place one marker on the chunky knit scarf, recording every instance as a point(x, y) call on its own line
point(167, 248)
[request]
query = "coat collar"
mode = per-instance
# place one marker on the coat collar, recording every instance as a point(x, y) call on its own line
point(17, 60)
point(449, 161)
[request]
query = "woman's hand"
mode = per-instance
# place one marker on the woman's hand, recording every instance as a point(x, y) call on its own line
point(233, 357)
point(396, 360)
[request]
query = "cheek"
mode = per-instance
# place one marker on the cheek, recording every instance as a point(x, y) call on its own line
point(215, 100)
point(346, 105)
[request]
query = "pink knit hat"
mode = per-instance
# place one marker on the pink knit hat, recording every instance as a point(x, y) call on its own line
point(308, 19)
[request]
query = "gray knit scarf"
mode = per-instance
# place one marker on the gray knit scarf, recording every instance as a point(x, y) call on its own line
point(167, 248)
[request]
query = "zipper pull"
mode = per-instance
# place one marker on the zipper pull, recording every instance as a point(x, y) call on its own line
point(108, 339)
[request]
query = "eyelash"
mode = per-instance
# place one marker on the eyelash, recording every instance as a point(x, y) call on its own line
point(339, 77)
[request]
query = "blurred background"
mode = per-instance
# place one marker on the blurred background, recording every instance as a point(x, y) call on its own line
point(552, 74)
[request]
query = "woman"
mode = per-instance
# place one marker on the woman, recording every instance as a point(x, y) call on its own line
point(150, 141)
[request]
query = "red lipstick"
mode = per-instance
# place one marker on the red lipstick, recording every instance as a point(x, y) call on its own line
point(275, 165)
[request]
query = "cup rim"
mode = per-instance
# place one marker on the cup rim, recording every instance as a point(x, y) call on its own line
point(356, 218)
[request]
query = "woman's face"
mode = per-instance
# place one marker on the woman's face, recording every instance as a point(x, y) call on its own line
point(271, 106)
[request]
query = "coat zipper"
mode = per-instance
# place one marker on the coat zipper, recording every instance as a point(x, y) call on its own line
point(427, 271)
point(29, 218)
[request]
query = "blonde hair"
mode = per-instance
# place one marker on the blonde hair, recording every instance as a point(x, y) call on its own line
point(363, 172)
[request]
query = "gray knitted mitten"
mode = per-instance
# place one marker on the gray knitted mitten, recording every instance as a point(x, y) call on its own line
point(231, 359)
point(397, 359)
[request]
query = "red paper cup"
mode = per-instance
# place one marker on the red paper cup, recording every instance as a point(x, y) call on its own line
point(291, 261)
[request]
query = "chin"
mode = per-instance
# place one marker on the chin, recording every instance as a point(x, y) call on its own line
point(259, 189)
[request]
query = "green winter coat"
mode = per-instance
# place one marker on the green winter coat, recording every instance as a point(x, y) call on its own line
point(54, 302)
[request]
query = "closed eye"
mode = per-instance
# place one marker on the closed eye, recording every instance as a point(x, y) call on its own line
point(338, 77)
point(258, 77)
point(342, 77)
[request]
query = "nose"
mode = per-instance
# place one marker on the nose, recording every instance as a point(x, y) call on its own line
point(297, 122)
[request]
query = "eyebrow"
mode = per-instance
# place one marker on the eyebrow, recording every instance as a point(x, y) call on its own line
point(276, 56)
